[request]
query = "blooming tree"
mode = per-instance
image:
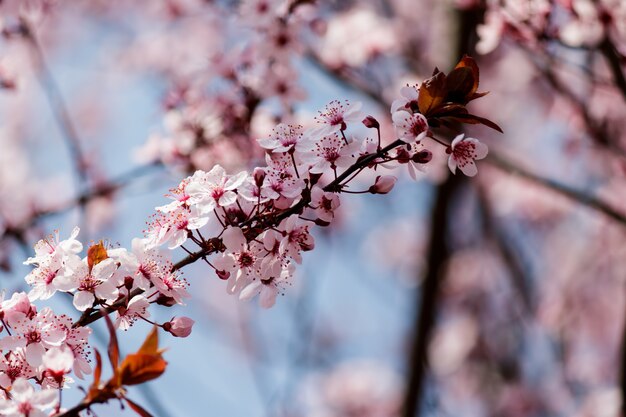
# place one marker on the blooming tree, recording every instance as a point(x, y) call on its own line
point(263, 181)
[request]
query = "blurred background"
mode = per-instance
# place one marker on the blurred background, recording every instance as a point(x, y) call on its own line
point(502, 295)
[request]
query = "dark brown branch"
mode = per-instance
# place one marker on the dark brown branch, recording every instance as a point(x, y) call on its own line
point(57, 105)
point(507, 251)
point(438, 254)
point(562, 189)
point(615, 63)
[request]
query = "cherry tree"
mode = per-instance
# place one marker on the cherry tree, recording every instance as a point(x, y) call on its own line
point(512, 310)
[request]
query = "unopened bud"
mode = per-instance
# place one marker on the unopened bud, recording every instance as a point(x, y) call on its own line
point(371, 123)
point(259, 176)
point(224, 275)
point(383, 184)
point(422, 157)
point(164, 300)
point(179, 326)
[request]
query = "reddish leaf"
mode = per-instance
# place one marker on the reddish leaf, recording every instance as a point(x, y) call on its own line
point(459, 85)
point(137, 408)
point(469, 63)
point(432, 93)
point(114, 350)
point(96, 254)
point(150, 346)
point(472, 119)
point(97, 373)
point(449, 109)
point(139, 367)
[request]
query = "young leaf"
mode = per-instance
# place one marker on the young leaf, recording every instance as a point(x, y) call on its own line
point(472, 119)
point(96, 254)
point(432, 93)
point(139, 367)
point(114, 349)
point(150, 346)
point(137, 408)
point(144, 365)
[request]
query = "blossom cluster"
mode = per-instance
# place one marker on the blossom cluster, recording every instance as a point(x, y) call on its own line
point(575, 23)
point(257, 225)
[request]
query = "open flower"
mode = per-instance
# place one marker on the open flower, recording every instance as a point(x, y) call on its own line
point(410, 127)
point(26, 402)
point(335, 117)
point(463, 151)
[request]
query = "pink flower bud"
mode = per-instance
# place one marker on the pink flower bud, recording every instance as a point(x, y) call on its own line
point(371, 123)
point(422, 157)
point(383, 184)
point(259, 176)
point(179, 326)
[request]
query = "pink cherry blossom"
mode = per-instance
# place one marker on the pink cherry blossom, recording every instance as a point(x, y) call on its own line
point(383, 184)
point(284, 138)
point(26, 402)
point(408, 102)
point(209, 190)
point(330, 153)
point(336, 116)
point(57, 362)
point(137, 307)
point(411, 127)
point(241, 258)
point(463, 152)
point(267, 288)
point(324, 204)
point(179, 326)
point(296, 238)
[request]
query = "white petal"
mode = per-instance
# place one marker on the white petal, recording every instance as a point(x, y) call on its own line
point(83, 300)
point(469, 169)
point(452, 164)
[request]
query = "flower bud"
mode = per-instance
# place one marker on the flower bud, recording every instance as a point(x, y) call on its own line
point(383, 184)
point(371, 123)
point(259, 176)
point(422, 157)
point(223, 275)
point(179, 326)
point(166, 301)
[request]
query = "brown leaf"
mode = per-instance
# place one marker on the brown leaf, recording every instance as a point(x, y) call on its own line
point(114, 349)
point(449, 109)
point(469, 63)
point(150, 346)
point(137, 408)
point(432, 93)
point(472, 119)
point(459, 85)
point(140, 367)
point(94, 389)
point(96, 254)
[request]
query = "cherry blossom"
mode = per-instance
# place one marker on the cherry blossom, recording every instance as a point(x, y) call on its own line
point(267, 288)
point(336, 116)
point(330, 153)
point(179, 326)
point(26, 402)
point(209, 190)
point(411, 127)
point(324, 204)
point(383, 184)
point(463, 152)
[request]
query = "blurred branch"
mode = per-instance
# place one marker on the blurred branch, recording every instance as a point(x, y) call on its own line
point(101, 190)
point(615, 63)
point(571, 193)
point(595, 129)
point(494, 157)
point(57, 104)
point(507, 251)
point(438, 254)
